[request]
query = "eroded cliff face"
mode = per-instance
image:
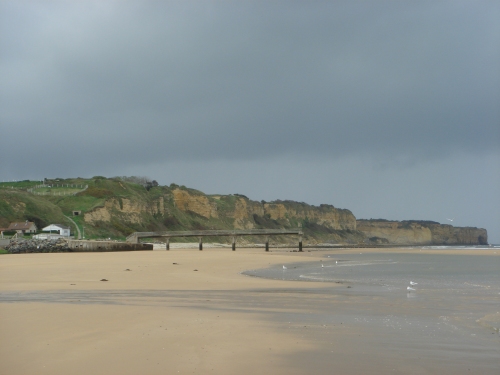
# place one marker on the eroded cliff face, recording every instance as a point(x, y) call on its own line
point(198, 204)
point(188, 209)
point(450, 235)
point(243, 211)
point(421, 233)
point(326, 215)
point(395, 232)
point(230, 211)
point(133, 211)
point(128, 210)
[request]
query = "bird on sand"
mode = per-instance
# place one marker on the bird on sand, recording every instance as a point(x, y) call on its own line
point(413, 283)
point(409, 288)
point(284, 267)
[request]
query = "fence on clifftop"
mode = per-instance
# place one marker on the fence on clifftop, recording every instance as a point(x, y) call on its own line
point(56, 187)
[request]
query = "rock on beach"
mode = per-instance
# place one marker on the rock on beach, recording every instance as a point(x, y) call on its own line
point(37, 246)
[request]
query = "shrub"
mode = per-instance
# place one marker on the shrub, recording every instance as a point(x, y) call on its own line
point(171, 221)
point(96, 192)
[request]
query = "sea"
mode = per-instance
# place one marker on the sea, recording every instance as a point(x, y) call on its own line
point(438, 309)
point(448, 274)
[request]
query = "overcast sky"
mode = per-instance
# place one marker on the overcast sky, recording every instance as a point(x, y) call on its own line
point(388, 108)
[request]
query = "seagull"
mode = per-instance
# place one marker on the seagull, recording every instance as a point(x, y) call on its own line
point(450, 219)
point(409, 288)
point(284, 267)
point(413, 283)
point(322, 265)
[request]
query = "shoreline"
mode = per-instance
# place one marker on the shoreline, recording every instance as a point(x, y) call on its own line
point(200, 315)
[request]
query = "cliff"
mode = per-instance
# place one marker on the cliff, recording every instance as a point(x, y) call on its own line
point(420, 233)
point(179, 208)
point(116, 207)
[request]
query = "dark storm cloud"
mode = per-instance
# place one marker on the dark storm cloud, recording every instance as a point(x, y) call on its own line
point(201, 80)
point(388, 108)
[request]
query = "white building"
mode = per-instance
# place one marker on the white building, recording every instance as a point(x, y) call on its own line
point(63, 230)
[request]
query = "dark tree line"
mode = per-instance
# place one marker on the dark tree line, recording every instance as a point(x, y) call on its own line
point(141, 180)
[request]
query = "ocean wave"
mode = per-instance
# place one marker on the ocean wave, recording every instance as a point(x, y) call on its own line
point(315, 278)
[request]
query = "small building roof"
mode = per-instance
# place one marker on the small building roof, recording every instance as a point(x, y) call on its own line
point(55, 227)
point(21, 226)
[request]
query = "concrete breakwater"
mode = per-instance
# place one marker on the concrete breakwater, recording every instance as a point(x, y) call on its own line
point(64, 245)
point(97, 246)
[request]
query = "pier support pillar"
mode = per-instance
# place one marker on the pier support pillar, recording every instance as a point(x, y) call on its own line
point(200, 245)
point(234, 243)
point(267, 243)
point(300, 243)
point(168, 243)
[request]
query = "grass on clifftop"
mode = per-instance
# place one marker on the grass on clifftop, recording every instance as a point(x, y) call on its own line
point(19, 184)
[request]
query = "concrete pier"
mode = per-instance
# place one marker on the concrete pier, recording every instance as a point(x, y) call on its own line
point(134, 237)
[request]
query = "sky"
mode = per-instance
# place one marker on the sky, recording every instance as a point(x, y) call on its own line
point(390, 109)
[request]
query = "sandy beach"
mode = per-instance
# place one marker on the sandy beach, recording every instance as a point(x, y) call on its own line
point(181, 311)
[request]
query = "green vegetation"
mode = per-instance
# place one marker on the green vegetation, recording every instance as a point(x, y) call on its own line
point(96, 192)
point(49, 190)
point(26, 184)
point(18, 205)
point(3, 251)
point(375, 220)
point(422, 222)
point(266, 222)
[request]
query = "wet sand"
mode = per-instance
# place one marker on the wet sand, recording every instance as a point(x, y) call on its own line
point(197, 316)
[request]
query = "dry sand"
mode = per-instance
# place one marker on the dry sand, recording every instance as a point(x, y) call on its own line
point(197, 316)
point(165, 322)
